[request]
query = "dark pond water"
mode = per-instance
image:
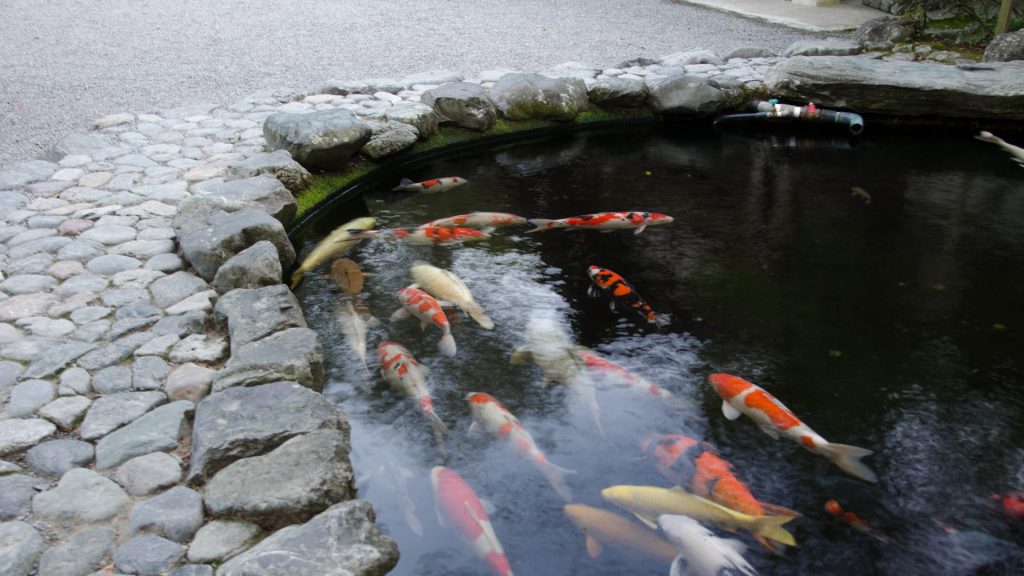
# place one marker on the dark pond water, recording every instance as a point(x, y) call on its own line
point(895, 324)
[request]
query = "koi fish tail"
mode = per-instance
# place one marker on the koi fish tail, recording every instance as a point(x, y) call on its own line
point(848, 459)
point(541, 224)
point(773, 547)
point(660, 320)
point(437, 425)
point(770, 527)
point(776, 510)
point(403, 184)
point(297, 278)
point(478, 314)
point(555, 476)
point(447, 344)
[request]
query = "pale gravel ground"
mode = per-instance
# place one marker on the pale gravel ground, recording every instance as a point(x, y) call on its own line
point(64, 63)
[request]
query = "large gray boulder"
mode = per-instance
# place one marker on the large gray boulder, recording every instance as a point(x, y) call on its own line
point(463, 103)
point(292, 355)
point(1005, 47)
point(992, 91)
point(211, 232)
point(618, 92)
point(340, 541)
point(326, 139)
point(266, 490)
point(242, 422)
point(252, 314)
point(419, 116)
point(881, 33)
point(262, 191)
point(20, 547)
point(533, 96)
point(254, 267)
point(691, 95)
point(826, 47)
point(278, 164)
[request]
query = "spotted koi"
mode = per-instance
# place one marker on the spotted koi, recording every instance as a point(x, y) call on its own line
point(427, 310)
point(486, 221)
point(429, 186)
point(604, 221)
point(401, 370)
point(440, 236)
point(459, 507)
point(775, 419)
point(489, 413)
point(1011, 503)
point(623, 293)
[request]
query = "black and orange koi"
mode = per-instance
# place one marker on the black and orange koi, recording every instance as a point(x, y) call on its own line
point(623, 293)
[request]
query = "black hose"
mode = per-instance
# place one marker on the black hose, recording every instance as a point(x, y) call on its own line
point(769, 112)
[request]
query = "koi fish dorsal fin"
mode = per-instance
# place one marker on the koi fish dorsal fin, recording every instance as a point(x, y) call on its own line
point(404, 182)
point(640, 230)
point(729, 412)
point(646, 520)
point(593, 547)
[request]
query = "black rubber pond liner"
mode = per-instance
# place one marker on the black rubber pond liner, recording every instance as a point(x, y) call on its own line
point(400, 162)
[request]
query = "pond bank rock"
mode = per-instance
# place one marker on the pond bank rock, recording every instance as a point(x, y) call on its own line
point(992, 91)
point(463, 103)
point(1005, 47)
point(687, 95)
point(242, 422)
point(278, 164)
point(341, 541)
point(325, 139)
point(292, 355)
point(266, 490)
point(533, 96)
point(618, 92)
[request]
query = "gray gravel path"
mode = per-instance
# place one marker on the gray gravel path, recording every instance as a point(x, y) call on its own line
point(64, 63)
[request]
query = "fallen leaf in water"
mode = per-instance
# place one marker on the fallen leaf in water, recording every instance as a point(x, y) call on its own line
point(347, 275)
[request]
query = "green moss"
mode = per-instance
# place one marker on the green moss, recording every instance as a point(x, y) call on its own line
point(325, 184)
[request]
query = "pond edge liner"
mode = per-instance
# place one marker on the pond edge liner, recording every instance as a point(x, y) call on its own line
point(399, 161)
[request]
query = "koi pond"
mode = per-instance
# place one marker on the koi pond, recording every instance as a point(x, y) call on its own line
point(876, 288)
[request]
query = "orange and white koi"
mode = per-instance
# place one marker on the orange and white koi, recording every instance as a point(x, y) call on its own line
point(695, 466)
point(459, 507)
point(612, 374)
point(623, 293)
point(604, 221)
point(439, 236)
point(775, 419)
point(427, 310)
point(445, 285)
point(833, 509)
point(428, 186)
point(486, 221)
point(490, 414)
point(401, 370)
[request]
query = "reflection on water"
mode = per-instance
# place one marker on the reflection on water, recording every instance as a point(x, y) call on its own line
point(890, 320)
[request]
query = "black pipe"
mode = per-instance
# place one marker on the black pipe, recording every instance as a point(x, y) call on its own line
point(771, 111)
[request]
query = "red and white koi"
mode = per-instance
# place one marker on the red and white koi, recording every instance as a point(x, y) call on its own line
point(459, 507)
point(623, 293)
point(427, 310)
point(401, 370)
point(438, 236)
point(429, 186)
point(604, 221)
point(612, 374)
point(775, 419)
point(486, 221)
point(489, 413)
